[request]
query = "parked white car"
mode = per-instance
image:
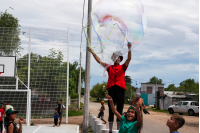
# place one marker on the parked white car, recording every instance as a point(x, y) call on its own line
point(190, 107)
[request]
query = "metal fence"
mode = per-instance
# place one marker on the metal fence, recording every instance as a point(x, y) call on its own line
point(41, 71)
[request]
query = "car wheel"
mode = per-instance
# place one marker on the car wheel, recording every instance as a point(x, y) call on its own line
point(191, 112)
point(180, 113)
point(171, 111)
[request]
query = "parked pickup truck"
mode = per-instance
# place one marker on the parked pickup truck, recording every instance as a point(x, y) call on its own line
point(190, 107)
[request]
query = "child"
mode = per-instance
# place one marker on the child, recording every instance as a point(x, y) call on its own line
point(131, 122)
point(1, 116)
point(101, 113)
point(175, 122)
point(60, 108)
point(11, 126)
point(56, 118)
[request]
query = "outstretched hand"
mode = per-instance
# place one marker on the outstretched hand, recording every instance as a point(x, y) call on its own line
point(129, 45)
point(137, 108)
point(21, 120)
point(108, 97)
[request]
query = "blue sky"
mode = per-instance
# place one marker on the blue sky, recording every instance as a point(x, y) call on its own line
point(169, 50)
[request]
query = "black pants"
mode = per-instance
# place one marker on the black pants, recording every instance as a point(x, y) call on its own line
point(60, 117)
point(117, 93)
point(56, 121)
point(1, 126)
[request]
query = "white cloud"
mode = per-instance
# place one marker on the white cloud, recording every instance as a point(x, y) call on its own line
point(153, 31)
point(189, 35)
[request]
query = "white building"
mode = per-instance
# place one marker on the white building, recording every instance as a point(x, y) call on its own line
point(149, 88)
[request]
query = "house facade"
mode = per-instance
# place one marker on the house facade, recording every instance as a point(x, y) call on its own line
point(149, 88)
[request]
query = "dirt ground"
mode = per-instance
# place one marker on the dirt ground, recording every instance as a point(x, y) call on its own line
point(156, 121)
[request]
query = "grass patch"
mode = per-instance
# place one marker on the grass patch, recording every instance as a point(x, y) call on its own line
point(75, 112)
point(158, 110)
point(93, 99)
point(90, 130)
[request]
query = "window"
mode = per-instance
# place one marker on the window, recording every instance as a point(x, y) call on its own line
point(194, 104)
point(179, 103)
point(149, 90)
point(185, 103)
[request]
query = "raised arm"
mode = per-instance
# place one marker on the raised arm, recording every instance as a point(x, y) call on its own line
point(96, 57)
point(139, 114)
point(113, 107)
point(129, 54)
point(19, 130)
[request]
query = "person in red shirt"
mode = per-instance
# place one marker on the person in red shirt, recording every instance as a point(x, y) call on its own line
point(116, 82)
point(1, 116)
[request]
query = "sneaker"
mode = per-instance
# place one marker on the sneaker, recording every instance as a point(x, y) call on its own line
point(58, 125)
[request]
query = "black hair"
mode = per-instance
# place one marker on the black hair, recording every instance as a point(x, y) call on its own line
point(60, 100)
point(135, 119)
point(9, 102)
point(56, 109)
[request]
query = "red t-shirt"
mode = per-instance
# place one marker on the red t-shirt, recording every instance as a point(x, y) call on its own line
point(1, 114)
point(116, 76)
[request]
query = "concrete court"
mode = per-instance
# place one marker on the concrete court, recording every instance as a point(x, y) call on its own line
point(64, 128)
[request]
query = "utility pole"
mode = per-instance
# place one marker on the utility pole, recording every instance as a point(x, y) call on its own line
point(87, 73)
point(156, 93)
point(79, 83)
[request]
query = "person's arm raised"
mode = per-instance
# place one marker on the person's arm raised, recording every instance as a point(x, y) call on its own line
point(113, 107)
point(129, 55)
point(96, 57)
point(139, 114)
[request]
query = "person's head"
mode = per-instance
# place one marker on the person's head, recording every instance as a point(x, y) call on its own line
point(131, 114)
point(60, 101)
point(175, 122)
point(56, 110)
point(138, 95)
point(102, 102)
point(9, 103)
point(1, 106)
point(117, 58)
point(11, 114)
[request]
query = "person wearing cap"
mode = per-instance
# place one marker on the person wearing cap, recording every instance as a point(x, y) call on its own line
point(8, 106)
point(140, 101)
point(131, 122)
point(101, 113)
point(116, 82)
point(11, 126)
point(1, 116)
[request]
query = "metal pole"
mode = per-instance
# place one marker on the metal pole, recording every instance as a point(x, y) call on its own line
point(29, 65)
point(16, 82)
point(156, 94)
point(67, 79)
point(87, 73)
point(79, 84)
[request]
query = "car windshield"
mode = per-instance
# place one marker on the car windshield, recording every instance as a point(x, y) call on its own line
point(179, 103)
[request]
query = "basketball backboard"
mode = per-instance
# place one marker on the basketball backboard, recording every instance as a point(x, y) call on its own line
point(7, 66)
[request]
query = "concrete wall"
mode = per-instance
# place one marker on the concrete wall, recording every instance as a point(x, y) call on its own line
point(151, 99)
point(167, 102)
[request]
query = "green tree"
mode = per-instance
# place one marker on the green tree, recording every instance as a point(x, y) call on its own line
point(154, 79)
point(98, 90)
point(9, 34)
point(189, 85)
point(128, 79)
point(171, 87)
